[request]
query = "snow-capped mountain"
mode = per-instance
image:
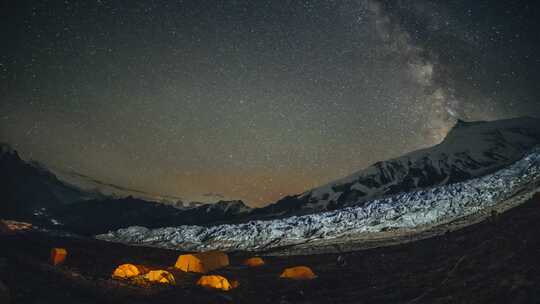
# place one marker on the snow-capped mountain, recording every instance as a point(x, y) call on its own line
point(471, 149)
point(437, 205)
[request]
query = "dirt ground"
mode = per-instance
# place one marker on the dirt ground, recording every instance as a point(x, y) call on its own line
point(495, 261)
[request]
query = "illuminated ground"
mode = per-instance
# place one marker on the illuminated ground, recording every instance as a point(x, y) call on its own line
point(495, 261)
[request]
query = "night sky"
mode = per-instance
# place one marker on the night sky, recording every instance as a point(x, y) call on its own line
point(254, 100)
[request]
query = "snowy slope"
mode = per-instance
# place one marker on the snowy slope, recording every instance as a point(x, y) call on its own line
point(471, 149)
point(408, 210)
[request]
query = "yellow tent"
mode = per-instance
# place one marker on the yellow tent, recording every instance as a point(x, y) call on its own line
point(125, 271)
point(298, 273)
point(58, 255)
point(160, 276)
point(254, 262)
point(202, 262)
point(215, 282)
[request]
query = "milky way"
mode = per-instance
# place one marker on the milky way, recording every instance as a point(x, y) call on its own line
point(254, 99)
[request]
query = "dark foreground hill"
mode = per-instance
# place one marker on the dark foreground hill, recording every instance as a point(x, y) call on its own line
point(495, 261)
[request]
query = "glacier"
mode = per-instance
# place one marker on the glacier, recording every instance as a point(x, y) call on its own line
point(409, 210)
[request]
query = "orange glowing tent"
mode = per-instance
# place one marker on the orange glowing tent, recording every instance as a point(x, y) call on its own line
point(126, 271)
point(160, 276)
point(215, 282)
point(202, 262)
point(298, 273)
point(58, 256)
point(254, 262)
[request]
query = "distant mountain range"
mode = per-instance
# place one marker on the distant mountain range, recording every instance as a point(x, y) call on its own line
point(470, 150)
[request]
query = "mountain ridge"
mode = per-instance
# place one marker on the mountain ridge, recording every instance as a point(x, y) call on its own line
point(470, 149)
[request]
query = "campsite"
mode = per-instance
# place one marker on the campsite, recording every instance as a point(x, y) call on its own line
point(463, 264)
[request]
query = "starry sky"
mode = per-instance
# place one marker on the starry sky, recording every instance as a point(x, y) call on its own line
point(254, 100)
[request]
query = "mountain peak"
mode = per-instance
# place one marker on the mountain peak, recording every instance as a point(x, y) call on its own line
point(480, 129)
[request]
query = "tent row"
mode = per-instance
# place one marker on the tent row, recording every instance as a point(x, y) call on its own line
point(204, 263)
